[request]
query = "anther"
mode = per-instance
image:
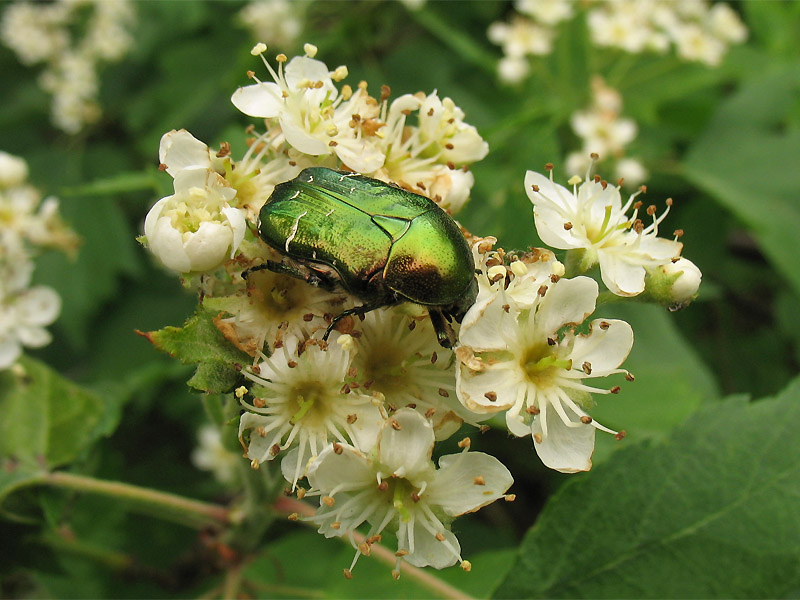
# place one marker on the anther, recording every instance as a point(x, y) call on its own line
point(585, 419)
point(337, 448)
point(548, 167)
point(587, 367)
point(615, 389)
point(328, 501)
point(465, 443)
point(537, 437)
point(443, 393)
point(620, 435)
point(479, 480)
point(567, 226)
point(491, 396)
point(395, 425)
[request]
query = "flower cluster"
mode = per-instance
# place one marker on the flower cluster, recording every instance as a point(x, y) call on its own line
point(603, 132)
point(530, 32)
point(307, 121)
point(699, 32)
point(47, 33)
point(27, 223)
point(597, 229)
point(352, 413)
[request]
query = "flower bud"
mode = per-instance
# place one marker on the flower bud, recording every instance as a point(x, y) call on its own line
point(674, 283)
point(195, 229)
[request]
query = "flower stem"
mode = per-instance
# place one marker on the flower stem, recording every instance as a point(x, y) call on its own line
point(420, 576)
point(172, 507)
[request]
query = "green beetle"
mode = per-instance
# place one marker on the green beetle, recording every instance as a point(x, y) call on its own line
point(382, 244)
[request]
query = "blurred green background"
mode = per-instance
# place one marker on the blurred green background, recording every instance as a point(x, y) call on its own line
point(723, 142)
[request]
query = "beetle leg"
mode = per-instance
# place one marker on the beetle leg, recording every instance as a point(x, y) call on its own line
point(358, 310)
point(444, 333)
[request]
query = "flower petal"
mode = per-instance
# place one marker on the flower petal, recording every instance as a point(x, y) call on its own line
point(564, 449)
point(259, 100)
point(406, 444)
point(567, 301)
point(605, 348)
point(454, 487)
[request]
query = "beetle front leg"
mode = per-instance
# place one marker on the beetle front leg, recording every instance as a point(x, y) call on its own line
point(358, 310)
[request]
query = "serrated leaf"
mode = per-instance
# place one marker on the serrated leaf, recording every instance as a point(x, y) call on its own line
point(747, 160)
point(48, 421)
point(199, 341)
point(712, 513)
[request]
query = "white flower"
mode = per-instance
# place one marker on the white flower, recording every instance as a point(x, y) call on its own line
point(401, 359)
point(548, 12)
point(313, 116)
point(302, 400)
point(516, 360)
point(695, 43)
point(13, 170)
point(398, 487)
point(592, 218)
point(521, 37)
point(210, 454)
point(271, 307)
point(631, 170)
point(424, 159)
point(24, 314)
point(724, 23)
point(195, 229)
point(512, 69)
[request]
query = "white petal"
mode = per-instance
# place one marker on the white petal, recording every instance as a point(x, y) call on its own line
point(660, 249)
point(360, 155)
point(259, 446)
point(181, 150)
point(565, 449)
point(454, 487)
point(302, 68)
point(604, 349)
point(331, 469)
point(259, 100)
point(208, 246)
point(166, 243)
point(489, 326)
point(430, 552)
point(406, 443)
point(621, 277)
point(39, 306)
point(501, 379)
point(153, 215)
point(238, 225)
point(33, 337)
point(294, 129)
point(550, 228)
point(567, 301)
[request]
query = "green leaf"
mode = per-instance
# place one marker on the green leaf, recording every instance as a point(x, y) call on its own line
point(747, 160)
point(199, 341)
point(117, 184)
point(48, 421)
point(671, 382)
point(712, 513)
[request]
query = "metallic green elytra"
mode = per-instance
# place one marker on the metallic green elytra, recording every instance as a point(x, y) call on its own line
point(382, 244)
